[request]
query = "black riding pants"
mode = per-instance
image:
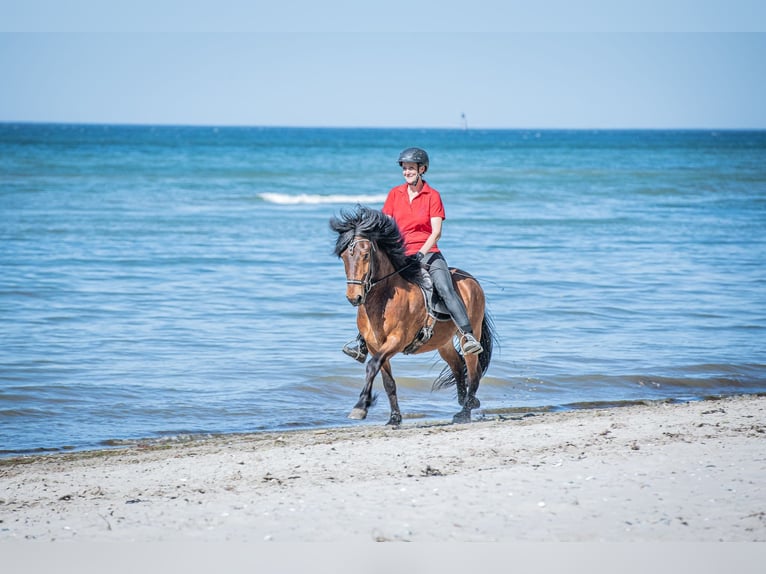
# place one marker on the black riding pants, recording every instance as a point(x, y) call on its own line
point(442, 280)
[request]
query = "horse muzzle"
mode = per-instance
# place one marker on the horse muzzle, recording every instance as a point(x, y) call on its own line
point(356, 300)
point(356, 291)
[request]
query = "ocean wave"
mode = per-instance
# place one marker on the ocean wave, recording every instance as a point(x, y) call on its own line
point(314, 199)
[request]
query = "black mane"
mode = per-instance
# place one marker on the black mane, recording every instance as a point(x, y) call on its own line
point(382, 230)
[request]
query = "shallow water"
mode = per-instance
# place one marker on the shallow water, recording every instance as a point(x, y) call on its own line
point(171, 280)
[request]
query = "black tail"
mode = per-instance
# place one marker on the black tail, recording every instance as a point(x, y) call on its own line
point(488, 341)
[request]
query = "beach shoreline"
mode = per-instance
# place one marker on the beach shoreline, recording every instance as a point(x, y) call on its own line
point(682, 472)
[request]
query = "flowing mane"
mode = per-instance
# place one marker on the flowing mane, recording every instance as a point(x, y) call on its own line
point(376, 226)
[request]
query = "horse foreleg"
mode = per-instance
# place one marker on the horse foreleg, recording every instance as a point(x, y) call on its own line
point(470, 402)
point(359, 412)
point(390, 385)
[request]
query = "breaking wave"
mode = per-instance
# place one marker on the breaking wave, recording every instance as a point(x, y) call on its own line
point(315, 199)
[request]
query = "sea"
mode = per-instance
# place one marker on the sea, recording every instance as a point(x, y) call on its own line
point(163, 283)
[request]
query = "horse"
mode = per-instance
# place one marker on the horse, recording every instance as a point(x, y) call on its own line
point(385, 286)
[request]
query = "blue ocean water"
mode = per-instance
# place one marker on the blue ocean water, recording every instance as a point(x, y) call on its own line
point(165, 281)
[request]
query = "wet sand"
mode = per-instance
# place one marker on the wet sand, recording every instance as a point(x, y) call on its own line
point(656, 472)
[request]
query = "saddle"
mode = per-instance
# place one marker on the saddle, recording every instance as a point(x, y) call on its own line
point(436, 310)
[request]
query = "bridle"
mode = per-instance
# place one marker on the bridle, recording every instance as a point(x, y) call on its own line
point(367, 282)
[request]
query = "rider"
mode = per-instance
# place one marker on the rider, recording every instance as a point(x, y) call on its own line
point(418, 211)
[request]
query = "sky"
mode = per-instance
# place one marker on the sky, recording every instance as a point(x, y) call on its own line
point(671, 64)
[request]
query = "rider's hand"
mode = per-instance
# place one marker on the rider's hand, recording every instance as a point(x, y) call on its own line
point(419, 256)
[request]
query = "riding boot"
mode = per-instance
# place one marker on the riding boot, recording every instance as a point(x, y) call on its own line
point(469, 344)
point(356, 349)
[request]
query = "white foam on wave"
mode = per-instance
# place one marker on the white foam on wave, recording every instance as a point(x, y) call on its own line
point(313, 199)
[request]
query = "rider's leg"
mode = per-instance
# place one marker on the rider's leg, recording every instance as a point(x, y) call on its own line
point(442, 280)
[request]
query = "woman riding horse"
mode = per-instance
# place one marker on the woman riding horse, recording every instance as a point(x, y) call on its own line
point(385, 285)
point(418, 210)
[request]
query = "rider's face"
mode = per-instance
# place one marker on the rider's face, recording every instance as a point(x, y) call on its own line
point(411, 171)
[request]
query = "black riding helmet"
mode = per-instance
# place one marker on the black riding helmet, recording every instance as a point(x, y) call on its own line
point(414, 155)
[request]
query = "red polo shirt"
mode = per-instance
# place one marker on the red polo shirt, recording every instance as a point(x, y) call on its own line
point(414, 219)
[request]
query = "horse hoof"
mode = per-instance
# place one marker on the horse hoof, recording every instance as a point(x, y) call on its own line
point(357, 414)
point(462, 417)
point(471, 403)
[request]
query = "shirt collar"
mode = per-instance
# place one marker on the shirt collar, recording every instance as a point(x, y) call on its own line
point(426, 188)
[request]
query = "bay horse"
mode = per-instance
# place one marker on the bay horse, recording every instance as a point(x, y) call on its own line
point(385, 286)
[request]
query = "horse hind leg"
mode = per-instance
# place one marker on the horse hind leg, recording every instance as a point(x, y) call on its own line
point(457, 369)
point(471, 402)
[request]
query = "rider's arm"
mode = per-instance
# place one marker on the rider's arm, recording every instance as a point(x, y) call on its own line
point(436, 233)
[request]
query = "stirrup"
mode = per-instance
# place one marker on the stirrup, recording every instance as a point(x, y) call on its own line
point(357, 352)
point(470, 345)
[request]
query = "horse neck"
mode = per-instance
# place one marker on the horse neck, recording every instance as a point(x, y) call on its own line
point(385, 268)
point(389, 298)
point(383, 265)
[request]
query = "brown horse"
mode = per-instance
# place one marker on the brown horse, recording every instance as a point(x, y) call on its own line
point(385, 285)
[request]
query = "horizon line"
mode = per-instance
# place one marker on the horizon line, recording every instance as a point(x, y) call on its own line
point(371, 127)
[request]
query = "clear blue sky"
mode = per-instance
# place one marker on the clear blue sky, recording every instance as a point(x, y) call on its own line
point(665, 65)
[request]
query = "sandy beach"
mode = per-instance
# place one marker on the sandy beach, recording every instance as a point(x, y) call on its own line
point(655, 472)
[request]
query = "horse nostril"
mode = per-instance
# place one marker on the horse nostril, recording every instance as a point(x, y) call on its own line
point(355, 301)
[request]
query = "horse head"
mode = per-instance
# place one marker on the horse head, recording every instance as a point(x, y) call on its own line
point(371, 247)
point(359, 261)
